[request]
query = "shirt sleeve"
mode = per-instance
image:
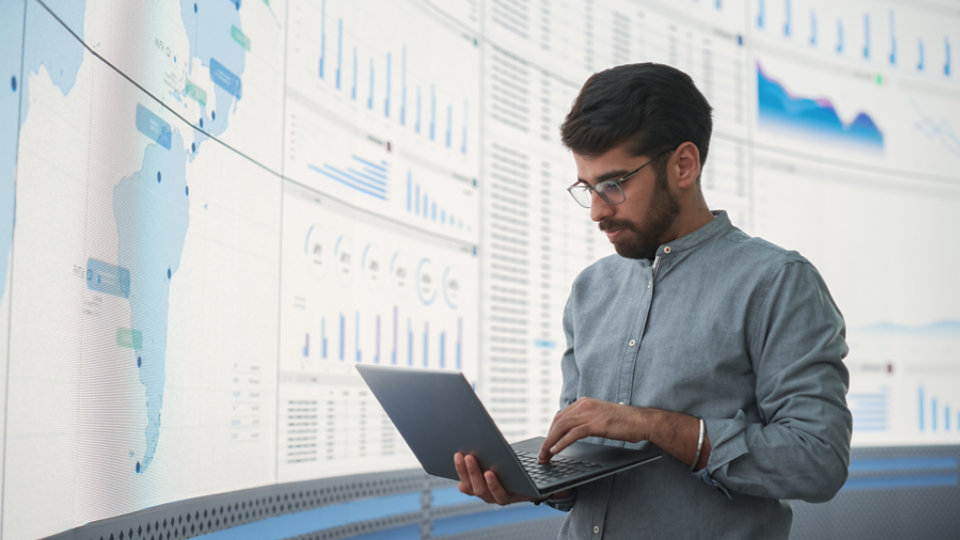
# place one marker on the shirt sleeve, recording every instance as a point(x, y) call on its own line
point(800, 447)
point(568, 363)
point(568, 393)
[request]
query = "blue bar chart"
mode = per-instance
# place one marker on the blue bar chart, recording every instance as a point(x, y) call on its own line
point(378, 87)
point(883, 38)
point(424, 204)
point(934, 413)
point(375, 124)
point(364, 176)
point(866, 36)
point(904, 383)
point(375, 338)
point(871, 410)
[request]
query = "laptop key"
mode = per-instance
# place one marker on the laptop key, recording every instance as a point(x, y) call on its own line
point(555, 468)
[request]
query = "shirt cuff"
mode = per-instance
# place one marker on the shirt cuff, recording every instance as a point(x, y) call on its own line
point(728, 443)
point(704, 476)
point(565, 504)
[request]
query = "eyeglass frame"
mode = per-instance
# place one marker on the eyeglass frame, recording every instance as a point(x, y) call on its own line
point(618, 182)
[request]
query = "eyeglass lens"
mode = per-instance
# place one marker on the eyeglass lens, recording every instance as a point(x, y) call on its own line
point(610, 191)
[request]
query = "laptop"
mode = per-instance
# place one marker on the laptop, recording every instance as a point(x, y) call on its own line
point(438, 414)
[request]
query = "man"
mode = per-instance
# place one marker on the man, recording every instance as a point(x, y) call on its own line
point(723, 350)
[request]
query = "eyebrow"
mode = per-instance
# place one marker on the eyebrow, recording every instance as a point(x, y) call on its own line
point(611, 175)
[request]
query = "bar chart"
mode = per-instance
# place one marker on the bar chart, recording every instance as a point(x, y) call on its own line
point(871, 409)
point(934, 412)
point(356, 56)
point(904, 383)
point(896, 38)
point(373, 337)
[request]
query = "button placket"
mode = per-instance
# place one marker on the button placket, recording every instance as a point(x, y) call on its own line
point(628, 356)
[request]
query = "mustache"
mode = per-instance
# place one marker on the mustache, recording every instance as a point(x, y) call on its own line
point(614, 224)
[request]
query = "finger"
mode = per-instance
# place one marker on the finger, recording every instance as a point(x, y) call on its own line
point(563, 438)
point(500, 494)
point(553, 435)
point(465, 487)
point(561, 425)
point(477, 482)
point(545, 454)
point(569, 438)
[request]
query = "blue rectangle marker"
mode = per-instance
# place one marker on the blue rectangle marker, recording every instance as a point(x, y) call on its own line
point(224, 78)
point(440, 497)
point(107, 278)
point(512, 515)
point(899, 482)
point(154, 127)
point(904, 464)
point(325, 517)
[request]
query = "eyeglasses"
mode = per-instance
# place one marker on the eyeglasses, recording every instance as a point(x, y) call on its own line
point(611, 191)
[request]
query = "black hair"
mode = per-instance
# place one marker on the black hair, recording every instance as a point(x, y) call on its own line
point(651, 107)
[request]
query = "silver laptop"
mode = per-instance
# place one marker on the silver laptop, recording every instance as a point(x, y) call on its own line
point(439, 414)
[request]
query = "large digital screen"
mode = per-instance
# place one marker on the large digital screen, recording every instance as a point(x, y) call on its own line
point(210, 211)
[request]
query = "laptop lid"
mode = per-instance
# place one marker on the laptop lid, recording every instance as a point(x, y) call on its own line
point(438, 414)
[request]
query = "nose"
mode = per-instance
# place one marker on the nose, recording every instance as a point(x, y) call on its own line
point(599, 208)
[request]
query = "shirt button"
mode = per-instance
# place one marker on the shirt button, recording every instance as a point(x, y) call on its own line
point(633, 342)
point(596, 529)
point(666, 249)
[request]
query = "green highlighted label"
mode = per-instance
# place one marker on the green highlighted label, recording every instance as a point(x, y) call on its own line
point(240, 37)
point(129, 338)
point(198, 94)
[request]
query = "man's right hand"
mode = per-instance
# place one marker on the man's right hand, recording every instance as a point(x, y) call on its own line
point(484, 484)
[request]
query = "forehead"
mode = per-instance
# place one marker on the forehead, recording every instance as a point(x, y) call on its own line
point(613, 163)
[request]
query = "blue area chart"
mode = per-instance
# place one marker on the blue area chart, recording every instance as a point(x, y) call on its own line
point(815, 117)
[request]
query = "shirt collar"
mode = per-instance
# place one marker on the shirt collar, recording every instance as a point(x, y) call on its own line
point(716, 226)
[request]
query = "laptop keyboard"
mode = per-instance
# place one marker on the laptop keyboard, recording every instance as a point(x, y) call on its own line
point(556, 468)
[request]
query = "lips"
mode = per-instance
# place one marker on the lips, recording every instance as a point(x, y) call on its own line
point(612, 233)
point(611, 229)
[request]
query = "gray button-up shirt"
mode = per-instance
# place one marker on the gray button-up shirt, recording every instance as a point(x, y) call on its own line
point(729, 328)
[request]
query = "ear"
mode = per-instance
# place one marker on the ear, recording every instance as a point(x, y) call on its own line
point(686, 163)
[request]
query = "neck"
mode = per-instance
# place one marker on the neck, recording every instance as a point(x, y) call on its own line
point(695, 215)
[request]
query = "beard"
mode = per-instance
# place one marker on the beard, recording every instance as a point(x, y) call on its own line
point(642, 242)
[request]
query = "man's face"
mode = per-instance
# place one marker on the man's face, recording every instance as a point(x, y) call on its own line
point(645, 220)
